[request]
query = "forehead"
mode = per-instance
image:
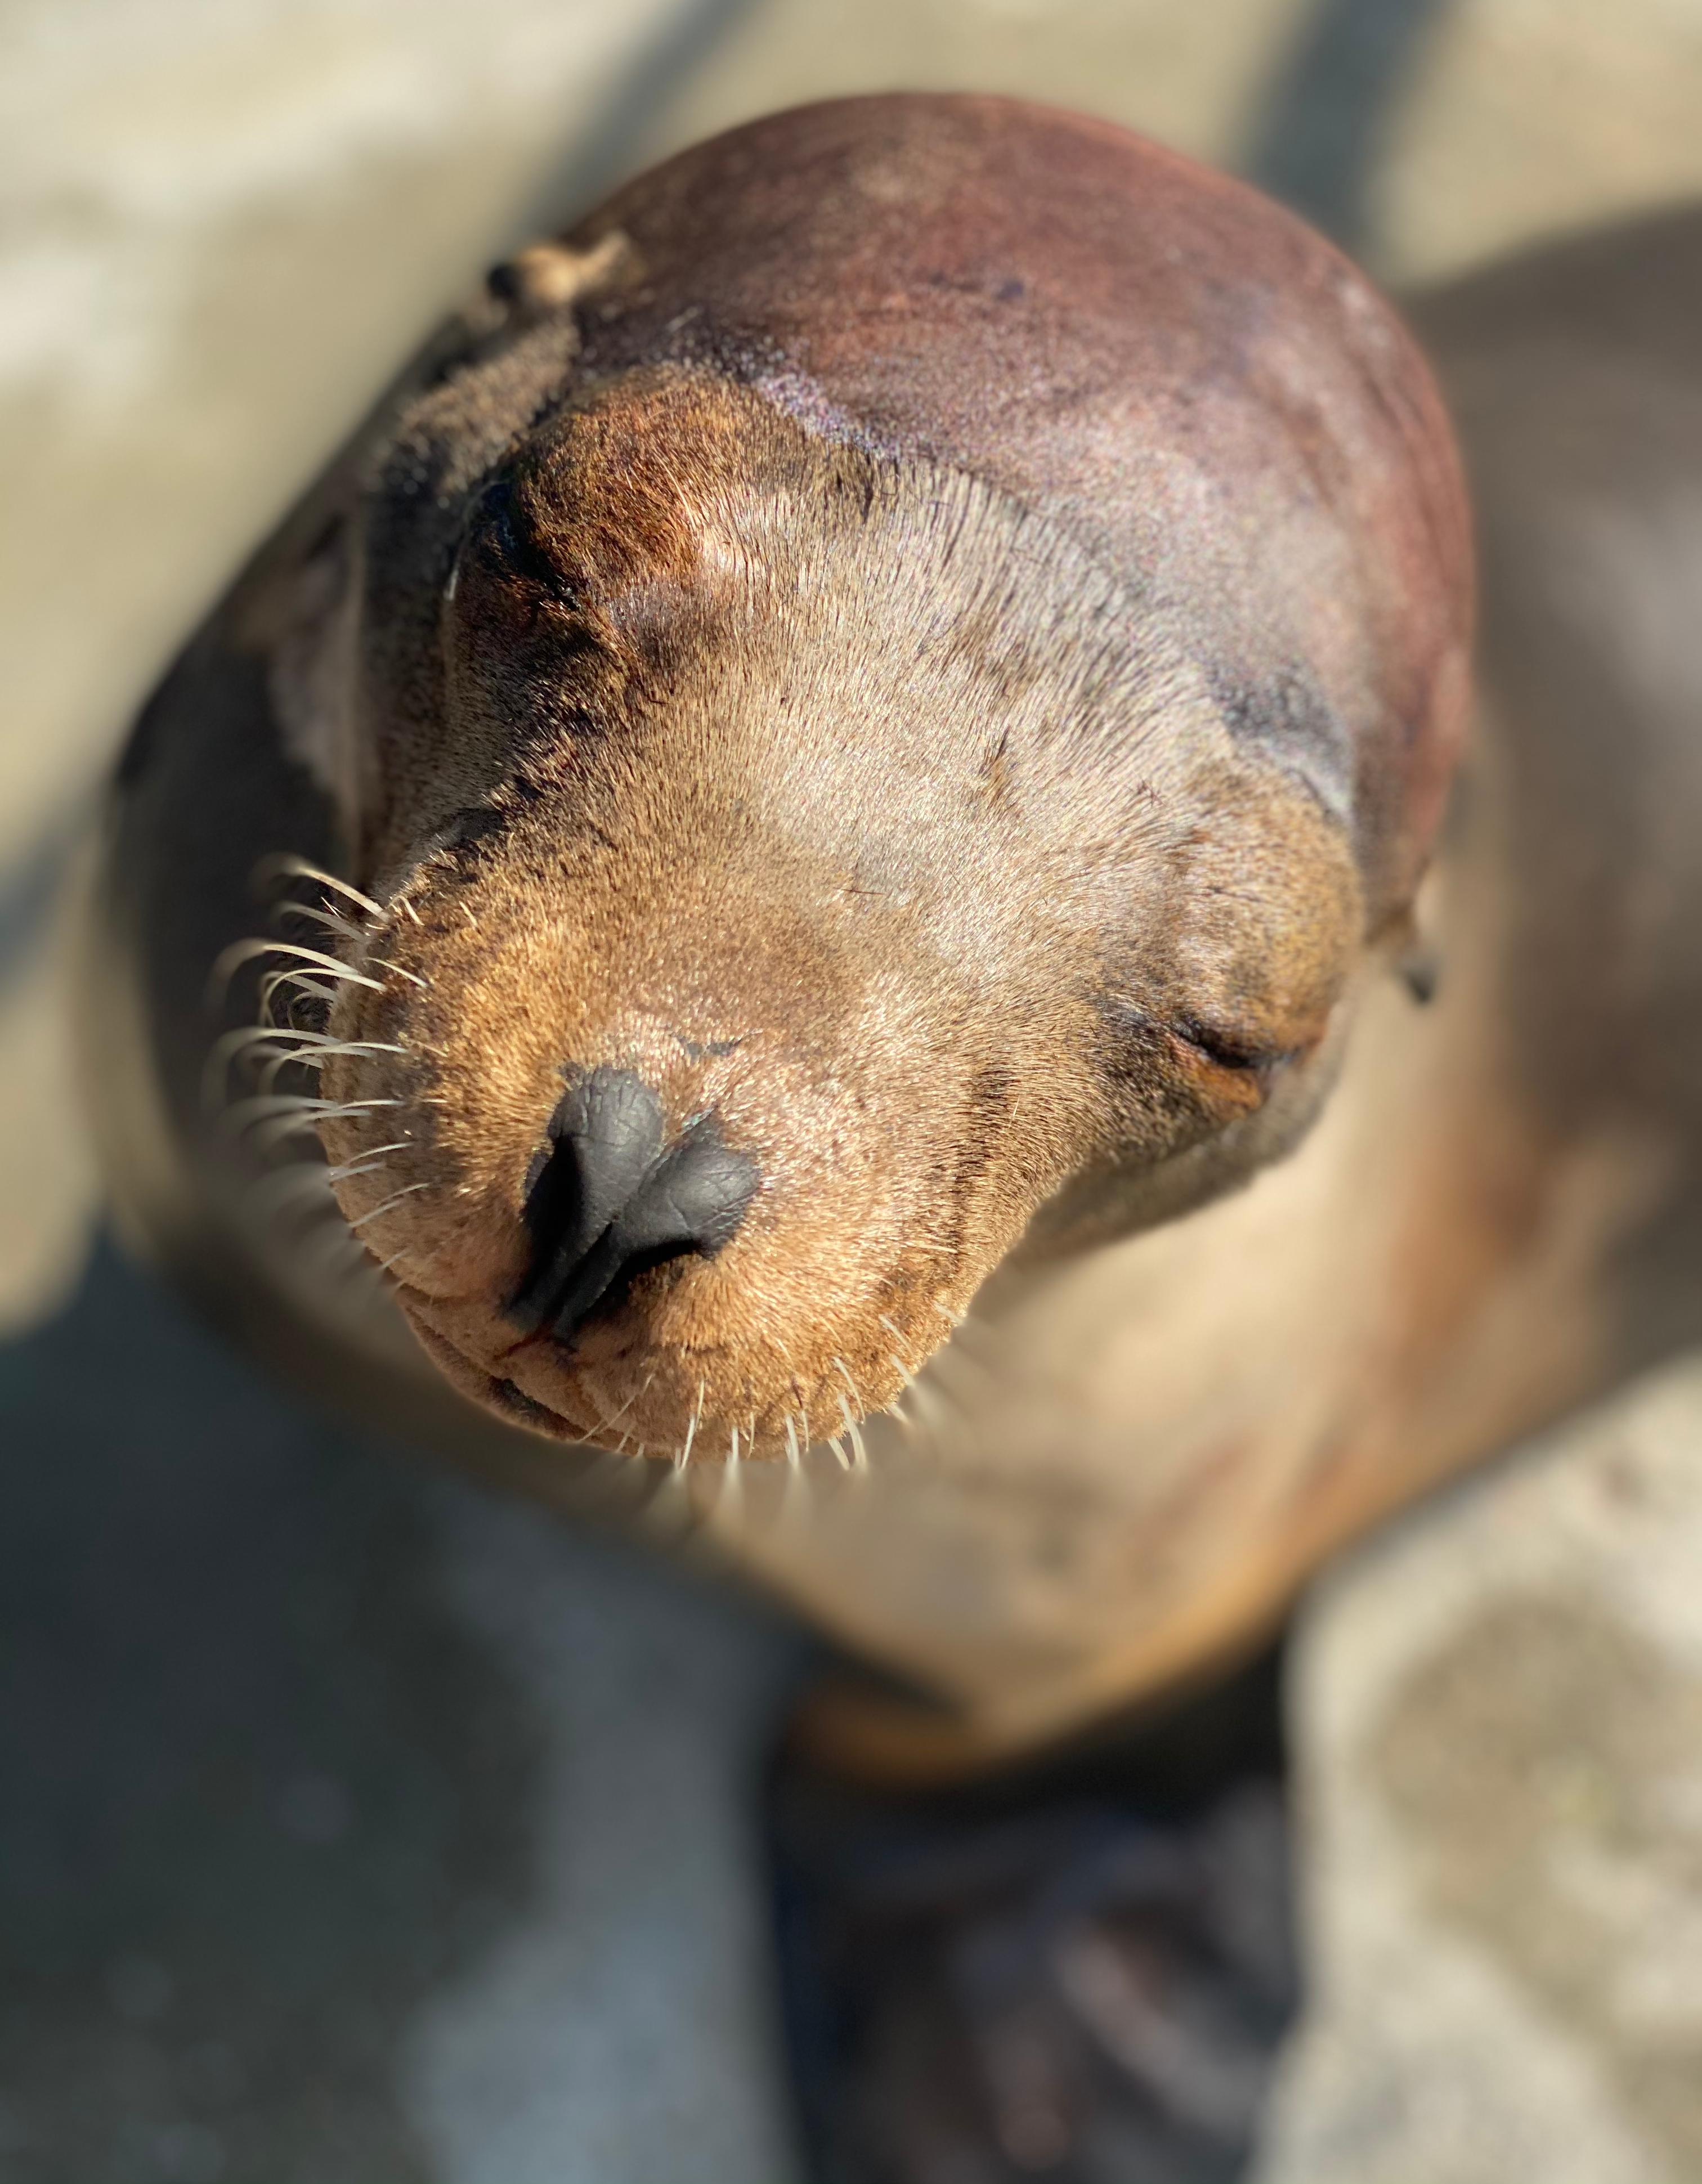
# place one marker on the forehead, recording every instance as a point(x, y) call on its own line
point(876, 620)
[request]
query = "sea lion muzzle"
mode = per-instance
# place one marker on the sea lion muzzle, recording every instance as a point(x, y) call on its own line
point(609, 1203)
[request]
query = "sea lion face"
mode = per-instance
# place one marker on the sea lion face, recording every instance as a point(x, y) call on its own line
point(799, 867)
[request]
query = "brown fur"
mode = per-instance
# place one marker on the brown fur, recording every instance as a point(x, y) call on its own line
point(937, 631)
point(1014, 820)
point(943, 922)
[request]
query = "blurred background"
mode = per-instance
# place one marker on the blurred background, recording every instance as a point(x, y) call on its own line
point(353, 1824)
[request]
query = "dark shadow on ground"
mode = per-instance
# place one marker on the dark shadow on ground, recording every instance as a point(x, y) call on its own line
point(261, 1791)
point(1320, 139)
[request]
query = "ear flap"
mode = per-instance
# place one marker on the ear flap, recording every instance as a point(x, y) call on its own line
point(548, 276)
point(312, 678)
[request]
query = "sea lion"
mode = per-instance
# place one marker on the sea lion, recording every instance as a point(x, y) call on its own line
point(859, 738)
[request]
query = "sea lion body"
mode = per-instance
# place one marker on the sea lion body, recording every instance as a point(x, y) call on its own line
point(878, 713)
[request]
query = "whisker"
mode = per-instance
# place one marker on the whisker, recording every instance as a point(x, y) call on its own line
point(287, 865)
point(369, 1164)
point(265, 1134)
point(266, 1076)
point(315, 1058)
point(268, 1131)
point(857, 1393)
point(421, 982)
point(339, 1255)
point(241, 1114)
point(859, 1453)
point(794, 1454)
point(685, 1457)
point(332, 920)
point(304, 987)
point(231, 960)
point(224, 1050)
point(303, 1179)
point(406, 1191)
point(637, 1394)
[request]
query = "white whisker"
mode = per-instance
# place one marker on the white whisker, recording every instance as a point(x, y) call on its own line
point(266, 1076)
point(242, 1115)
point(635, 1398)
point(333, 921)
point(859, 1453)
point(288, 867)
point(857, 1393)
point(306, 988)
point(265, 1134)
point(368, 1166)
point(406, 1191)
point(315, 1058)
point(691, 1427)
point(231, 959)
point(421, 982)
point(226, 1049)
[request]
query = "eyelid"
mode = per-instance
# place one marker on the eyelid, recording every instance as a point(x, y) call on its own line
point(514, 544)
point(1223, 1051)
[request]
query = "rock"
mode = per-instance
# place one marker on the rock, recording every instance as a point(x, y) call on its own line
point(1497, 1709)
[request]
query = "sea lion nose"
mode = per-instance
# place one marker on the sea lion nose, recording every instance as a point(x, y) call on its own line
point(609, 1201)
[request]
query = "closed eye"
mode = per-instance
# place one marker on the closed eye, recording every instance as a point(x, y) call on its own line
point(1136, 1034)
point(1224, 1051)
point(508, 538)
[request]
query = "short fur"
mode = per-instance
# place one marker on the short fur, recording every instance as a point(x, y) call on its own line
point(937, 631)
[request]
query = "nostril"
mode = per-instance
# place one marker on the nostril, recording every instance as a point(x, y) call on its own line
point(606, 1136)
point(609, 1203)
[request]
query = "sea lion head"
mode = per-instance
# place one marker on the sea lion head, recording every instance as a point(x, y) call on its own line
point(830, 828)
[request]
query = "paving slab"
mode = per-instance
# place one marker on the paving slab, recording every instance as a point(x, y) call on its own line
point(1499, 1706)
